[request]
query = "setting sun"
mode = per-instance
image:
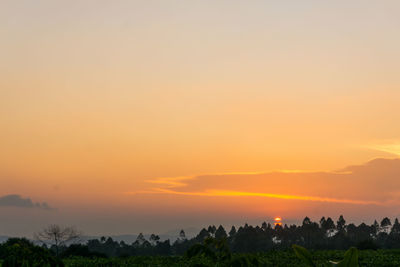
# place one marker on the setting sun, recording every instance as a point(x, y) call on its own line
point(278, 221)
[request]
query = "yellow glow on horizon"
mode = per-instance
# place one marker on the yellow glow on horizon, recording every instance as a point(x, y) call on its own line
point(227, 193)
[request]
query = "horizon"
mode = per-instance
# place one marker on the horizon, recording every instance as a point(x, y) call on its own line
point(192, 232)
point(147, 116)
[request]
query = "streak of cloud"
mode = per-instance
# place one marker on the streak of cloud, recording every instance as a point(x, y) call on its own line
point(219, 193)
point(373, 183)
point(389, 147)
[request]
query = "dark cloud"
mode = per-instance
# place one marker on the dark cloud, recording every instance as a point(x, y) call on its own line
point(18, 201)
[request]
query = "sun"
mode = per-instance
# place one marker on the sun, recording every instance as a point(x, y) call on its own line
point(278, 221)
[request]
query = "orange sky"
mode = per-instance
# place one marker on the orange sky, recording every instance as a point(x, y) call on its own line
point(123, 114)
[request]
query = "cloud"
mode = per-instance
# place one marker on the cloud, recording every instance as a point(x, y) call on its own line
point(220, 193)
point(391, 147)
point(374, 183)
point(18, 201)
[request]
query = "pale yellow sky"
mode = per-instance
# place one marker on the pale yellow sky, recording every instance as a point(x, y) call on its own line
point(98, 97)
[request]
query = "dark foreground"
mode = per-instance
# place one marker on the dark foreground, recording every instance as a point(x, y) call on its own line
point(272, 258)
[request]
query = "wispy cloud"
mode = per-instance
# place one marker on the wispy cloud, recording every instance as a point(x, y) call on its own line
point(374, 183)
point(226, 193)
point(14, 200)
point(389, 146)
point(171, 182)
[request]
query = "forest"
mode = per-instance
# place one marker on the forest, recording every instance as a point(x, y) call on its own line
point(325, 234)
point(263, 245)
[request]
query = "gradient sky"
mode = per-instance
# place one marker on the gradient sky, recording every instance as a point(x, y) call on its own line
point(146, 116)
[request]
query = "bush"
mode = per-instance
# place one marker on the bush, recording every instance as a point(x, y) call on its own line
point(21, 252)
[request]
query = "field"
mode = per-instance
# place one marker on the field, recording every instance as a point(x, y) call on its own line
point(273, 258)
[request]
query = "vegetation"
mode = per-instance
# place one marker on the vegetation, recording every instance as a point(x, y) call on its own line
point(350, 258)
point(372, 245)
point(249, 239)
point(273, 258)
point(197, 257)
point(22, 252)
point(57, 236)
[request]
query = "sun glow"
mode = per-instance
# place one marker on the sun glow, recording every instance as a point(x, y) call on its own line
point(278, 221)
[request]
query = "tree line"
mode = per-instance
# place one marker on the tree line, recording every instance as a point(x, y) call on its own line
point(325, 234)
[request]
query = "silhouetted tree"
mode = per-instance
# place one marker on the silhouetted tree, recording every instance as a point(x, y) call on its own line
point(396, 227)
point(57, 236)
point(182, 237)
point(220, 233)
point(322, 221)
point(329, 223)
point(375, 229)
point(311, 233)
point(154, 239)
point(341, 223)
point(393, 240)
point(202, 235)
point(212, 229)
point(386, 222)
point(306, 221)
point(232, 232)
point(140, 239)
point(322, 235)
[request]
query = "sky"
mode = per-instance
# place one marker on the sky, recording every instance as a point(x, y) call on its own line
point(148, 116)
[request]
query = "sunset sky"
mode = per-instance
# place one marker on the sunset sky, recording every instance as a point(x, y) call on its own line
point(147, 116)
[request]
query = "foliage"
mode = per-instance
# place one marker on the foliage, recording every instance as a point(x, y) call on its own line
point(217, 252)
point(21, 252)
point(249, 239)
point(304, 255)
point(277, 258)
point(350, 258)
point(246, 245)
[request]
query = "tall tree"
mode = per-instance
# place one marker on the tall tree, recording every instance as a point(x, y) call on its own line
point(386, 222)
point(211, 229)
point(57, 236)
point(329, 224)
point(306, 221)
point(341, 223)
point(154, 239)
point(375, 228)
point(202, 235)
point(140, 240)
point(220, 233)
point(232, 232)
point(182, 236)
point(396, 227)
point(322, 221)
